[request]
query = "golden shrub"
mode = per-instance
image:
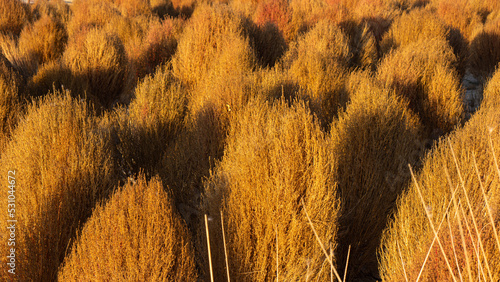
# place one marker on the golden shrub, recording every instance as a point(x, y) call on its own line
point(23, 62)
point(215, 39)
point(457, 191)
point(64, 166)
point(45, 39)
point(10, 101)
point(318, 63)
point(491, 93)
point(58, 10)
point(133, 8)
point(89, 14)
point(423, 73)
point(49, 76)
point(306, 13)
point(136, 235)
point(99, 66)
point(154, 117)
point(416, 25)
point(459, 14)
point(280, 14)
point(484, 50)
point(13, 16)
point(215, 60)
point(275, 157)
point(373, 141)
point(157, 47)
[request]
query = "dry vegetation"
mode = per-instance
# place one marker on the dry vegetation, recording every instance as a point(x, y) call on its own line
point(318, 64)
point(64, 167)
point(293, 122)
point(154, 246)
point(423, 73)
point(263, 188)
point(446, 227)
point(372, 141)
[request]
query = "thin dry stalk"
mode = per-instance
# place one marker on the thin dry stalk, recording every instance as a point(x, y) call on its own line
point(225, 248)
point(319, 241)
point(277, 256)
point(471, 238)
point(474, 221)
point(455, 203)
point(453, 248)
point(484, 195)
point(331, 266)
point(347, 262)
point(492, 221)
point(209, 254)
point(402, 262)
point(434, 239)
point(431, 224)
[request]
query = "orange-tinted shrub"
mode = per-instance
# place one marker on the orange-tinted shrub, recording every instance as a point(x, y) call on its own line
point(49, 76)
point(56, 9)
point(416, 25)
point(373, 141)
point(13, 16)
point(424, 74)
point(275, 157)
point(89, 14)
point(485, 50)
point(279, 13)
point(318, 63)
point(157, 47)
point(154, 118)
point(491, 93)
point(45, 39)
point(136, 235)
point(10, 102)
point(23, 62)
point(459, 14)
point(132, 8)
point(99, 66)
point(214, 40)
point(457, 191)
point(64, 166)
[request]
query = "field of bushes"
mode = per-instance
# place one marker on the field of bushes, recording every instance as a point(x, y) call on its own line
point(250, 140)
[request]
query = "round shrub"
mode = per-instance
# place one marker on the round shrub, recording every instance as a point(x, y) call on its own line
point(318, 62)
point(276, 156)
point(13, 16)
point(137, 235)
point(45, 39)
point(416, 25)
point(423, 73)
point(457, 191)
point(373, 141)
point(214, 39)
point(484, 50)
point(154, 118)
point(99, 66)
point(158, 47)
point(63, 166)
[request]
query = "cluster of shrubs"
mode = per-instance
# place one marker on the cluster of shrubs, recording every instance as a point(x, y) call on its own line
point(188, 140)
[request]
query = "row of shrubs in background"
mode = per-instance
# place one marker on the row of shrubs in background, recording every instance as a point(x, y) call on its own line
point(291, 124)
